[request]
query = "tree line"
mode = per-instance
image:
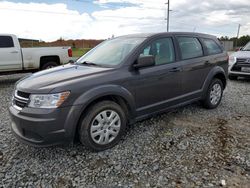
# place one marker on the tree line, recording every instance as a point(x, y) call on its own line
point(242, 41)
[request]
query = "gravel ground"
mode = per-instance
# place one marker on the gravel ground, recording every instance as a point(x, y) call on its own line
point(188, 147)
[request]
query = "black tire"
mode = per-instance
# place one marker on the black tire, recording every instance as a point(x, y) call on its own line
point(49, 65)
point(207, 101)
point(88, 118)
point(232, 77)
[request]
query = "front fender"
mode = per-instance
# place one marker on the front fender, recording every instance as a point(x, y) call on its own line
point(101, 91)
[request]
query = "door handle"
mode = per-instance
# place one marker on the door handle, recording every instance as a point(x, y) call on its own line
point(175, 69)
point(14, 52)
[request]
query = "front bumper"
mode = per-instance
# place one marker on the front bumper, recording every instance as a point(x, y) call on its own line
point(44, 127)
point(238, 73)
point(235, 70)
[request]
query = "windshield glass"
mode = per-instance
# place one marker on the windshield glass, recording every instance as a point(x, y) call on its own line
point(247, 47)
point(110, 52)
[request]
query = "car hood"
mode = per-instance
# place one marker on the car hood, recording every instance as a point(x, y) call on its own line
point(45, 81)
point(241, 54)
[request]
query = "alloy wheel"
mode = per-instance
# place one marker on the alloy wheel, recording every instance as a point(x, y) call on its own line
point(215, 94)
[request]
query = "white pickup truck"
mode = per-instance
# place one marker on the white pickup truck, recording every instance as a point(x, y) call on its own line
point(15, 59)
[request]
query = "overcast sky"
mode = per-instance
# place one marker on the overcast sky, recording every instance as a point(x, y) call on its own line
point(76, 19)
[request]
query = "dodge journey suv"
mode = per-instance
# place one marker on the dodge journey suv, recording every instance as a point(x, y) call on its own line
point(117, 83)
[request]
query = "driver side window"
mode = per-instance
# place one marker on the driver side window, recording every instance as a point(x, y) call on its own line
point(162, 50)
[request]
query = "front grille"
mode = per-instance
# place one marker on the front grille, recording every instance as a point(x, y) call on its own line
point(20, 104)
point(241, 62)
point(23, 94)
point(20, 99)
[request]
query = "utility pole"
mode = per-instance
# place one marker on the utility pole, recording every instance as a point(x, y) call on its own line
point(237, 35)
point(168, 10)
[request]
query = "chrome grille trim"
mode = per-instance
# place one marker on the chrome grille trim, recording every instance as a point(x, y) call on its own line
point(21, 98)
point(19, 102)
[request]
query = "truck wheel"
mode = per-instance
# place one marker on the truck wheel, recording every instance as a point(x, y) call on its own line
point(214, 94)
point(232, 77)
point(102, 126)
point(49, 65)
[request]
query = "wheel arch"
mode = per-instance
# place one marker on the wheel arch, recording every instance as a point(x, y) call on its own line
point(117, 94)
point(216, 72)
point(222, 77)
point(46, 59)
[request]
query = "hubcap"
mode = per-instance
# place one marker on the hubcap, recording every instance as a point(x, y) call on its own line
point(105, 127)
point(215, 94)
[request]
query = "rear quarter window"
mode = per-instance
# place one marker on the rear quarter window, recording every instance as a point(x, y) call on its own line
point(190, 47)
point(212, 46)
point(6, 42)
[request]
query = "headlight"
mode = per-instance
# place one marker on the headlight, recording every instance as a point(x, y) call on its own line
point(48, 100)
point(232, 60)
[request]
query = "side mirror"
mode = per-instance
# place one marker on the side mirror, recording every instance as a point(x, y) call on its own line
point(144, 61)
point(239, 49)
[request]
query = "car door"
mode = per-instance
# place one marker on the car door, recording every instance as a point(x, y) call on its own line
point(158, 86)
point(194, 65)
point(10, 56)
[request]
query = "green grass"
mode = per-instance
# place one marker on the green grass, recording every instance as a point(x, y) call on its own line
point(77, 52)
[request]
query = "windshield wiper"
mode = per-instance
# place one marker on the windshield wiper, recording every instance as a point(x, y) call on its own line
point(89, 63)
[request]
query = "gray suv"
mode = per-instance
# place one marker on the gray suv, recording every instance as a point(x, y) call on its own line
point(119, 82)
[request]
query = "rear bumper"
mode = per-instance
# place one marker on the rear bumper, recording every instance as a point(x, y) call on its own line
point(44, 127)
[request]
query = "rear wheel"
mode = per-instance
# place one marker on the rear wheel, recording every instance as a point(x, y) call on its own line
point(214, 94)
point(232, 77)
point(49, 65)
point(102, 126)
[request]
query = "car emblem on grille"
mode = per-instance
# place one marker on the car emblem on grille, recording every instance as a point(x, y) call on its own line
point(247, 61)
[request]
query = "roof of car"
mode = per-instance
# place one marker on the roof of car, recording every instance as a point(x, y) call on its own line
point(147, 35)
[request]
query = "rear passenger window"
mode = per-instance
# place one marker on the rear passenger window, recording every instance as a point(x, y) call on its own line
point(190, 47)
point(6, 42)
point(212, 46)
point(162, 50)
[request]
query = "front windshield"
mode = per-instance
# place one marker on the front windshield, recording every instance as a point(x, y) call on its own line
point(247, 47)
point(110, 52)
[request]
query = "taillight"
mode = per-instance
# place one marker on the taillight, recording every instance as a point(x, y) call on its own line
point(70, 52)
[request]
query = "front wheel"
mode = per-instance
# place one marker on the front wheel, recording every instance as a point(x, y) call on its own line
point(214, 94)
point(102, 126)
